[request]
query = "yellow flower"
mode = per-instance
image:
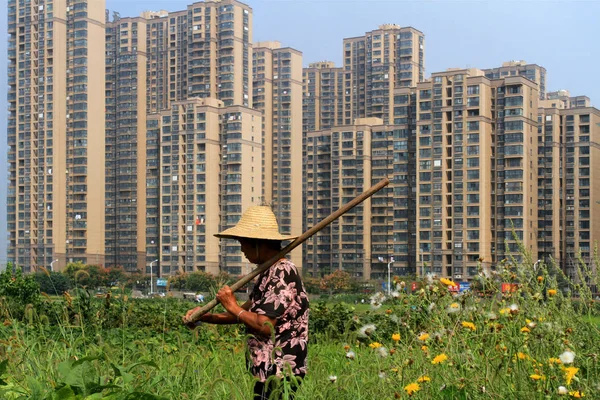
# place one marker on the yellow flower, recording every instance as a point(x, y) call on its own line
point(570, 373)
point(424, 378)
point(536, 377)
point(423, 337)
point(504, 311)
point(396, 337)
point(439, 359)
point(577, 394)
point(447, 282)
point(412, 388)
point(521, 356)
point(551, 292)
point(553, 360)
point(425, 348)
point(525, 329)
point(469, 325)
point(540, 278)
point(375, 345)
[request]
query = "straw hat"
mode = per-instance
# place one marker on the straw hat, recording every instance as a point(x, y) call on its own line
point(258, 222)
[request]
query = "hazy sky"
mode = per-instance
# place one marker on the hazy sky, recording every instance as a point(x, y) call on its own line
point(563, 36)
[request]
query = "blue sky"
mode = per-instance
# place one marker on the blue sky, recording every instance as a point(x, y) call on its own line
point(563, 36)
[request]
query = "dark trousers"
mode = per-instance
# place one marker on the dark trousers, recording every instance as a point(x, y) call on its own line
point(273, 389)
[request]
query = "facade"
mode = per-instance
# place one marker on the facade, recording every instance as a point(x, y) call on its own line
point(277, 75)
point(343, 162)
point(56, 86)
point(196, 186)
point(126, 106)
point(375, 65)
point(568, 222)
point(323, 94)
point(533, 72)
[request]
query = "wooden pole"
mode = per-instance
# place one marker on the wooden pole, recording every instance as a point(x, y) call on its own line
point(297, 242)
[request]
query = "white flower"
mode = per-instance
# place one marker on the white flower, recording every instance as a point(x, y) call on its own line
point(452, 308)
point(395, 294)
point(567, 357)
point(367, 330)
point(382, 375)
point(514, 307)
point(395, 319)
point(491, 316)
point(332, 378)
point(431, 307)
point(562, 390)
point(382, 351)
point(429, 278)
point(350, 355)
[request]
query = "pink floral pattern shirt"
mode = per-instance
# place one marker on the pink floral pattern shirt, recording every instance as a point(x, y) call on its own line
point(280, 294)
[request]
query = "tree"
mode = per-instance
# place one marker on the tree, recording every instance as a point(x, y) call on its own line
point(53, 283)
point(336, 282)
point(18, 290)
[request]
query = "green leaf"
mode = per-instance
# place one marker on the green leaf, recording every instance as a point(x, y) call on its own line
point(3, 366)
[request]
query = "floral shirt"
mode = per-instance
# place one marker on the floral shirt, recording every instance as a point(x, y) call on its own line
point(279, 294)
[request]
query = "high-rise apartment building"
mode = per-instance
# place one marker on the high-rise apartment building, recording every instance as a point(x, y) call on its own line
point(56, 89)
point(344, 161)
point(203, 51)
point(277, 74)
point(533, 72)
point(375, 65)
point(204, 170)
point(568, 222)
point(476, 170)
point(126, 107)
point(322, 102)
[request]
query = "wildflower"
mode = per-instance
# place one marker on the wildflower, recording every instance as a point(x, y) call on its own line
point(562, 390)
point(396, 337)
point(525, 329)
point(388, 311)
point(553, 360)
point(431, 307)
point(521, 356)
point(412, 388)
point(382, 351)
point(447, 282)
point(332, 378)
point(454, 307)
point(551, 292)
point(536, 377)
point(392, 351)
point(395, 294)
point(355, 319)
point(514, 309)
point(491, 316)
point(504, 311)
point(567, 357)
point(423, 378)
point(469, 325)
point(375, 345)
point(570, 374)
point(439, 359)
point(423, 337)
point(531, 325)
point(540, 279)
point(350, 355)
point(381, 374)
point(367, 330)
point(346, 347)
point(425, 348)
point(577, 394)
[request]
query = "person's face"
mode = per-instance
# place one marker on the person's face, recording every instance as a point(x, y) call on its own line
point(250, 250)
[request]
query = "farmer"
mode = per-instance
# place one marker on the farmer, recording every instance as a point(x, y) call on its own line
point(278, 301)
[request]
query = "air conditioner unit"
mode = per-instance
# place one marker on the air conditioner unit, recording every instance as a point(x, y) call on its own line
point(457, 276)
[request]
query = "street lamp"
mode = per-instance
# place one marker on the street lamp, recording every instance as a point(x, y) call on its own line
point(389, 286)
point(151, 274)
point(51, 265)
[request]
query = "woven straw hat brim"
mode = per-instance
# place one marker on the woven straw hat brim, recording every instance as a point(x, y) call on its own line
point(258, 222)
point(233, 233)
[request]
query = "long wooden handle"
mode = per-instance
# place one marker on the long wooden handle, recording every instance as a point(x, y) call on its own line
point(298, 241)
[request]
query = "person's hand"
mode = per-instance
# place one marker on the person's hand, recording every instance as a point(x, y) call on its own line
point(187, 318)
point(227, 298)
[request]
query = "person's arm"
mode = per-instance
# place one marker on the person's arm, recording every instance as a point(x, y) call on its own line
point(259, 323)
point(219, 319)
